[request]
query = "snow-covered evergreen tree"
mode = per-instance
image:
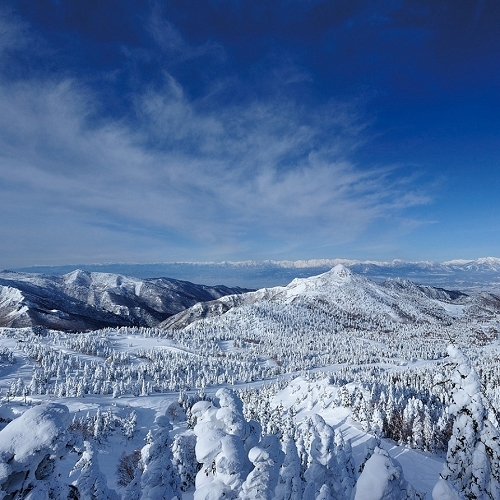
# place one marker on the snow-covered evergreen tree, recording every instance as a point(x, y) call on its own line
point(267, 458)
point(91, 482)
point(231, 415)
point(472, 466)
point(290, 484)
point(129, 424)
point(30, 447)
point(324, 467)
point(382, 479)
point(377, 421)
point(98, 425)
point(346, 466)
point(325, 493)
point(371, 444)
point(159, 480)
point(184, 458)
point(222, 433)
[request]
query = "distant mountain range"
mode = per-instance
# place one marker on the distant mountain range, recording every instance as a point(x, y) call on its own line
point(83, 300)
point(464, 275)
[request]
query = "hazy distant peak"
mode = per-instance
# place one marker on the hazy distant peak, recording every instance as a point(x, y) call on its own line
point(78, 276)
point(340, 272)
point(493, 261)
point(338, 275)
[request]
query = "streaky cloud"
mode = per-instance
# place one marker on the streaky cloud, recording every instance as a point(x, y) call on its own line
point(182, 173)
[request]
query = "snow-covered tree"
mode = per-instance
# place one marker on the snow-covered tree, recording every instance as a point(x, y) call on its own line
point(231, 415)
point(222, 433)
point(346, 466)
point(325, 493)
point(129, 424)
point(266, 458)
point(371, 444)
point(377, 421)
point(324, 467)
point(472, 466)
point(99, 425)
point(91, 482)
point(382, 479)
point(184, 458)
point(159, 480)
point(290, 484)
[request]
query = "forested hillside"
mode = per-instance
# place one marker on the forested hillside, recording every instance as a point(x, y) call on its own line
point(333, 387)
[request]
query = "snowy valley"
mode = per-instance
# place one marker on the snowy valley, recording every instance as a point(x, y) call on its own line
point(331, 387)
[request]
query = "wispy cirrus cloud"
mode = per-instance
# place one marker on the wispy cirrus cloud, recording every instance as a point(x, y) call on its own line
point(181, 178)
point(13, 32)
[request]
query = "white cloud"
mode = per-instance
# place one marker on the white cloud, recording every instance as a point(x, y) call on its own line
point(169, 40)
point(184, 181)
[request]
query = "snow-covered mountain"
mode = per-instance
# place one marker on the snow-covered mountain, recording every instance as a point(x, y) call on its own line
point(81, 300)
point(334, 377)
point(345, 295)
point(478, 275)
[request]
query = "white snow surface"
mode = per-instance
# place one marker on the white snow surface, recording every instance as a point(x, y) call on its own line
point(30, 440)
point(382, 479)
point(38, 430)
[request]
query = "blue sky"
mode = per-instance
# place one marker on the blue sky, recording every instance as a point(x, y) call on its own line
point(155, 131)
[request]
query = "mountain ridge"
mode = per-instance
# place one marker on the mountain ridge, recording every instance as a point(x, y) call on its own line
point(462, 274)
point(83, 300)
point(347, 293)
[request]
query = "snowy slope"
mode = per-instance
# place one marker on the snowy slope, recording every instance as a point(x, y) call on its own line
point(340, 293)
point(81, 300)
